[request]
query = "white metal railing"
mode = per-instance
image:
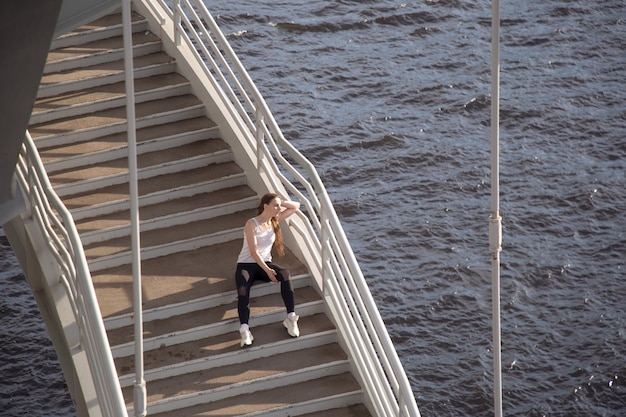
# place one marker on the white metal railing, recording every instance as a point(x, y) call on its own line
point(343, 281)
point(61, 237)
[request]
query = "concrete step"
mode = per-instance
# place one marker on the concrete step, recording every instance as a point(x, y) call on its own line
point(188, 358)
point(156, 234)
point(99, 51)
point(104, 97)
point(177, 278)
point(105, 214)
point(324, 387)
point(184, 131)
point(108, 122)
point(167, 216)
point(349, 408)
point(152, 139)
point(105, 27)
point(58, 83)
point(189, 156)
point(109, 208)
point(216, 325)
point(170, 248)
point(248, 369)
point(272, 313)
point(197, 304)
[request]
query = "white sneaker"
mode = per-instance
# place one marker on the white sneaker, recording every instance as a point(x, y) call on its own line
point(246, 337)
point(291, 324)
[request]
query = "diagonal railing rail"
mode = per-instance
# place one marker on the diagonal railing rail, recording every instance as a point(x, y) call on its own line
point(287, 169)
point(56, 224)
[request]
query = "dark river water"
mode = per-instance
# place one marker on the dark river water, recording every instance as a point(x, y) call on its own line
point(391, 101)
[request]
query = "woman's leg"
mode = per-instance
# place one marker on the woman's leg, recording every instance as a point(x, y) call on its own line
point(286, 290)
point(286, 287)
point(244, 278)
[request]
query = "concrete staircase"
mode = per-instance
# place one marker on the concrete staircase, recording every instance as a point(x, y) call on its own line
point(194, 200)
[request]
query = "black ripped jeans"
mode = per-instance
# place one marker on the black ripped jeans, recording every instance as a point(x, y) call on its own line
point(245, 277)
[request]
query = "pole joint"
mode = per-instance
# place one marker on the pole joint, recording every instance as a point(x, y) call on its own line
point(495, 234)
point(140, 398)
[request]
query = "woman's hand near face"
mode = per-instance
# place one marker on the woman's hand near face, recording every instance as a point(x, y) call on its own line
point(288, 208)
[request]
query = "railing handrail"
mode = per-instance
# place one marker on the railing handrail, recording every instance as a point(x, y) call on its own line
point(342, 272)
point(62, 239)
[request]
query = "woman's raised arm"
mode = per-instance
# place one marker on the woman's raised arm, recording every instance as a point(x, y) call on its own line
point(289, 207)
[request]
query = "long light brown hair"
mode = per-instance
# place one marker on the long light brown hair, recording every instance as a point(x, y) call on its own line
point(278, 243)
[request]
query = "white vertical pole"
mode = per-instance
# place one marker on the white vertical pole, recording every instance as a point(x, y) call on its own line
point(495, 221)
point(139, 393)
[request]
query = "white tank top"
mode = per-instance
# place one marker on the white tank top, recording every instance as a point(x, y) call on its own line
point(264, 241)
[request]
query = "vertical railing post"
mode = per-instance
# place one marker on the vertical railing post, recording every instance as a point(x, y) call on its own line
point(30, 179)
point(259, 136)
point(29, 172)
point(324, 240)
point(177, 22)
point(139, 394)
